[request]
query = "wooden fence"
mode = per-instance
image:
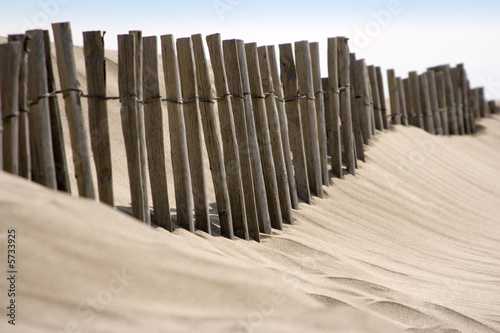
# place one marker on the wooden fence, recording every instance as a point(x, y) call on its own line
point(274, 130)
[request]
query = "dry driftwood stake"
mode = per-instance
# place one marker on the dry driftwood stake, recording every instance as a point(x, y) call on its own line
point(69, 84)
point(236, 68)
point(177, 130)
point(153, 121)
point(55, 124)
point(394, 97)
point(402, 102)
point(292, 107)
point(368, 99)
point(357, 108)
point(212, 139)
point(280, 103)
point(482, 104)
point(308, 114)
point(416, 100)
point(193, 133)
point(275, 136)
point(450, 100)
point(250, 169)
point(237, 161)
point(252, 83)
point(320, 110)
point(441, 98)
point(383, 107)
point(362, 93)
point(431, 78)
point(95, 65)
point(128, 99)
point(334, 109)
point(9, 114)
point(408, 105)
point(345, 103)
point(24, 139)
point(426, 103)
point(42, 156)
point(463, 86)
point(140, 113)
point(377, 111)
point(457, 91)
point(472, 106)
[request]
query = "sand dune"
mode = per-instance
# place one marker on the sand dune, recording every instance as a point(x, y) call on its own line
point(411, 243)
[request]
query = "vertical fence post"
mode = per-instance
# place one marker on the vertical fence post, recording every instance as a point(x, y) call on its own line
point(285, 139)
point(128, 99)
point(402, 102)
point(368, 99)
point(55, 124)
point(140, 116)
point(394, 97)
point(358, 67)
point(193, 133)
point(464, 92)
point(357, 107)
point(69, 83)
point(377, 111)
point(153, 122)
point(457, 91)
point(308, 114)
point(345, 103)
point(320, 110)
point(242, 112)
point(10, 54)
point(275, 136)
point(441, 97)
point(426, 103)
point(433, 95)
point(416, 100)
point(177, 130)
point(95, 65)
point(24, 137)
point(450, 100)
point(472, 107)
point(236, 153)
point(411, 115)
point(257, 123)
point(334, 108)
point(42, 155)
point(292, 106)
point(212, 140)
point(482, 104)
point(383, 107)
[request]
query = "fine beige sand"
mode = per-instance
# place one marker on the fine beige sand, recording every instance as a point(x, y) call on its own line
point(411, 243)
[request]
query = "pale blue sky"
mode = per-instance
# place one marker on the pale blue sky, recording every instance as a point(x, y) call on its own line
point(401, 34)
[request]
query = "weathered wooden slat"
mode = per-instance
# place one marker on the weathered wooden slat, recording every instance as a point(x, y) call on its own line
point(193, 133)
point(254, 98)
point(402, 102)
point(128, 99)
point(377, 111)
point(408, 104)
point(367, 100)
point(457, 92)
point(383, 107)
point(68, 76)
point(357, 108)
point(153, 122)
point(441, 97)
point(237, 161)
point(450, 100)
point(10, 53)
point(464, 92)
point(394, 97)
point(212, 140)
point(140, 117)
point(345, 103)
point(177, 130)
point(426, 103)
point(95, 65)
point(293, 114)
point(361, 93)
point(431, 79)
point(42, 155)
point(416, 100)
point(320, 110)
point(285, 139)
point(275, 136)
point(308, 115)
point(24, 137)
